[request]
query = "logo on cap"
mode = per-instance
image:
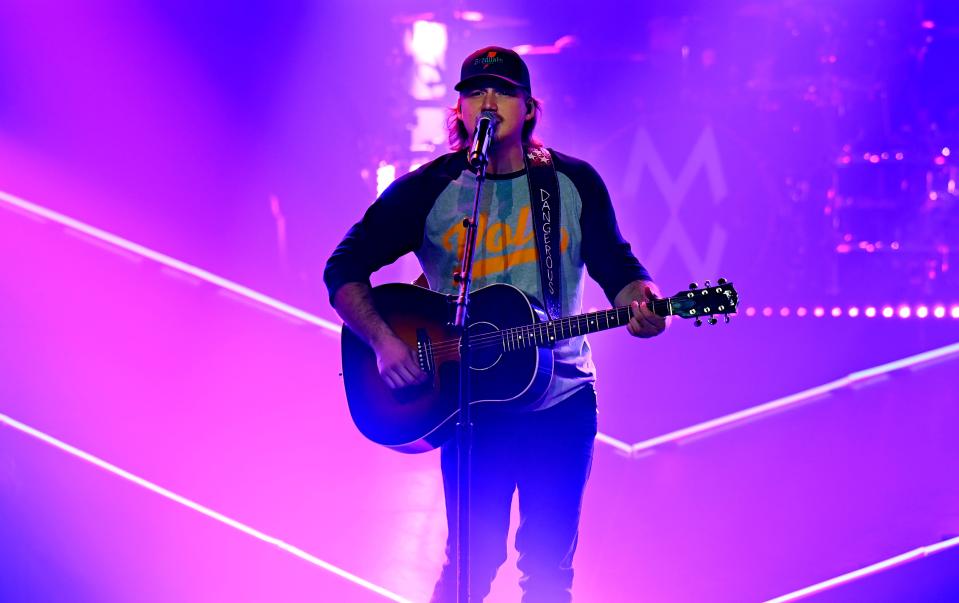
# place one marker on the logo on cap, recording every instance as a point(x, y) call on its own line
point(488, 60)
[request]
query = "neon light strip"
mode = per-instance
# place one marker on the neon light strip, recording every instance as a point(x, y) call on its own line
point(201, 274)
point(166, 260)
point(700, 429)
point(918, 553)
point(289, 548)
point(618, 444)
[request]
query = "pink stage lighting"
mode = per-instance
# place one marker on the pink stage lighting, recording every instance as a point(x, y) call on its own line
point(819, 312)
point(427, 42)
point(853, 312)
point(836, 312)
point(922, 312)
point(469, 15)
point(905, 312)
point(801, 311)
point(954, 312)
point(939, 312)
point(887, 312)
point(870, 312)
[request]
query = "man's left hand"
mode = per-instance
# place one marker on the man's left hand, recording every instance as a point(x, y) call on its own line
point(643, 322)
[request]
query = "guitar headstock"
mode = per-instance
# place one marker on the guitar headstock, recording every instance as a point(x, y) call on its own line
point(708, 301)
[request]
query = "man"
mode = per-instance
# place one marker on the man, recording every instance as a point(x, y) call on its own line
point(544, 454)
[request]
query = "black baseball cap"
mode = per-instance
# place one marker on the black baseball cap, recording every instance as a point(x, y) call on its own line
point(497, 63)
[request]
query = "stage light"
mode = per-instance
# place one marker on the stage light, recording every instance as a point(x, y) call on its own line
point(750, 311)
point(954, 312)
point(836, 312)
point(784, 311)
point(819, 312)
point(887, 312)
point(801, 311)
point(385, 175)
point(853, 312)
point(767, 311)
point(427, 44)
point(939, 312)
point(469, 15)
point(922, 312)
point(905, 312)
point(946, 151)
point(870, 312)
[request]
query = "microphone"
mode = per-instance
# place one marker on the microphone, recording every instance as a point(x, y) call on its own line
point(482, 139)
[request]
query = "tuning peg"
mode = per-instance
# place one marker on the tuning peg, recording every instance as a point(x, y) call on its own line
point(722, 281)
point(712, 320)
point(707, 284)
point(698, 323)
point(693, 286)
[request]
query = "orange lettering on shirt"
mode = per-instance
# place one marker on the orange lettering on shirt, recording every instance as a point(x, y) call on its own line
point(518, 244)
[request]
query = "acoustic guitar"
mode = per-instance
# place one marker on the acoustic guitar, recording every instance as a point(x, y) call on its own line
point(511, 360)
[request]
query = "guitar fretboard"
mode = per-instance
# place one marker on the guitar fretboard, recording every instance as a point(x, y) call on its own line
point(546, 333)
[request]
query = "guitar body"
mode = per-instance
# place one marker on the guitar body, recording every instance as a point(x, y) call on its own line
point(511, 362)
point(420, 418)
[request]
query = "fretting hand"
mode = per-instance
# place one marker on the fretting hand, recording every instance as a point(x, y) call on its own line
point(643, 322)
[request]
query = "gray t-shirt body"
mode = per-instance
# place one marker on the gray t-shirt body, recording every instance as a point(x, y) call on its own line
point(506, 252)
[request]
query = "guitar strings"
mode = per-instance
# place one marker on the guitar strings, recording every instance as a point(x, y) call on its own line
point(488, 339)
point(497, 338)
point(493, 339)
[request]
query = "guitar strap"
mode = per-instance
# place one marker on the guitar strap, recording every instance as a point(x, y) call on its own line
point(545, 205)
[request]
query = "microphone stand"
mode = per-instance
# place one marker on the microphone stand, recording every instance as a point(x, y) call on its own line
point(464, 427)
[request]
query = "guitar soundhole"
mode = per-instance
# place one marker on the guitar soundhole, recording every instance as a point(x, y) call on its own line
point(487, 345)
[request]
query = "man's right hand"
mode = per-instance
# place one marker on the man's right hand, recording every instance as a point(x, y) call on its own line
point(397, 363)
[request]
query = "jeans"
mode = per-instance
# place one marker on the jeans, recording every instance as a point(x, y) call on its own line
point(546, 455)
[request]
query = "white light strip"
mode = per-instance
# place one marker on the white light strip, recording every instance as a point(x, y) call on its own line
point(918, 553)
point(804, 396)
point(618, 444)
point(166, 260)
point(176, 264)
point(201, 509)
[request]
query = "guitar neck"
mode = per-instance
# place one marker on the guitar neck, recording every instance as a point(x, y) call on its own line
point(544, 333)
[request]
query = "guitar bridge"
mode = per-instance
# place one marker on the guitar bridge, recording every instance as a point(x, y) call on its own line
point(424, 351)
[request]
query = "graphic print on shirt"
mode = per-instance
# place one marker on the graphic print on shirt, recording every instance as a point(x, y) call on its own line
point(500, 246)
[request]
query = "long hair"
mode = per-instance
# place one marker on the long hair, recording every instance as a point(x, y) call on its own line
point(459, 137)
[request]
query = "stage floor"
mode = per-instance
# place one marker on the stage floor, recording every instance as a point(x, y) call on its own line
point(240, 410)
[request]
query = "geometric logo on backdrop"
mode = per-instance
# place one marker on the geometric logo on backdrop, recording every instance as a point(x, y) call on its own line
point(704, 156)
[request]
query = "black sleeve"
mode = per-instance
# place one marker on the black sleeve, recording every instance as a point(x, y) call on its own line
point(392, 227)
point(608, 257)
